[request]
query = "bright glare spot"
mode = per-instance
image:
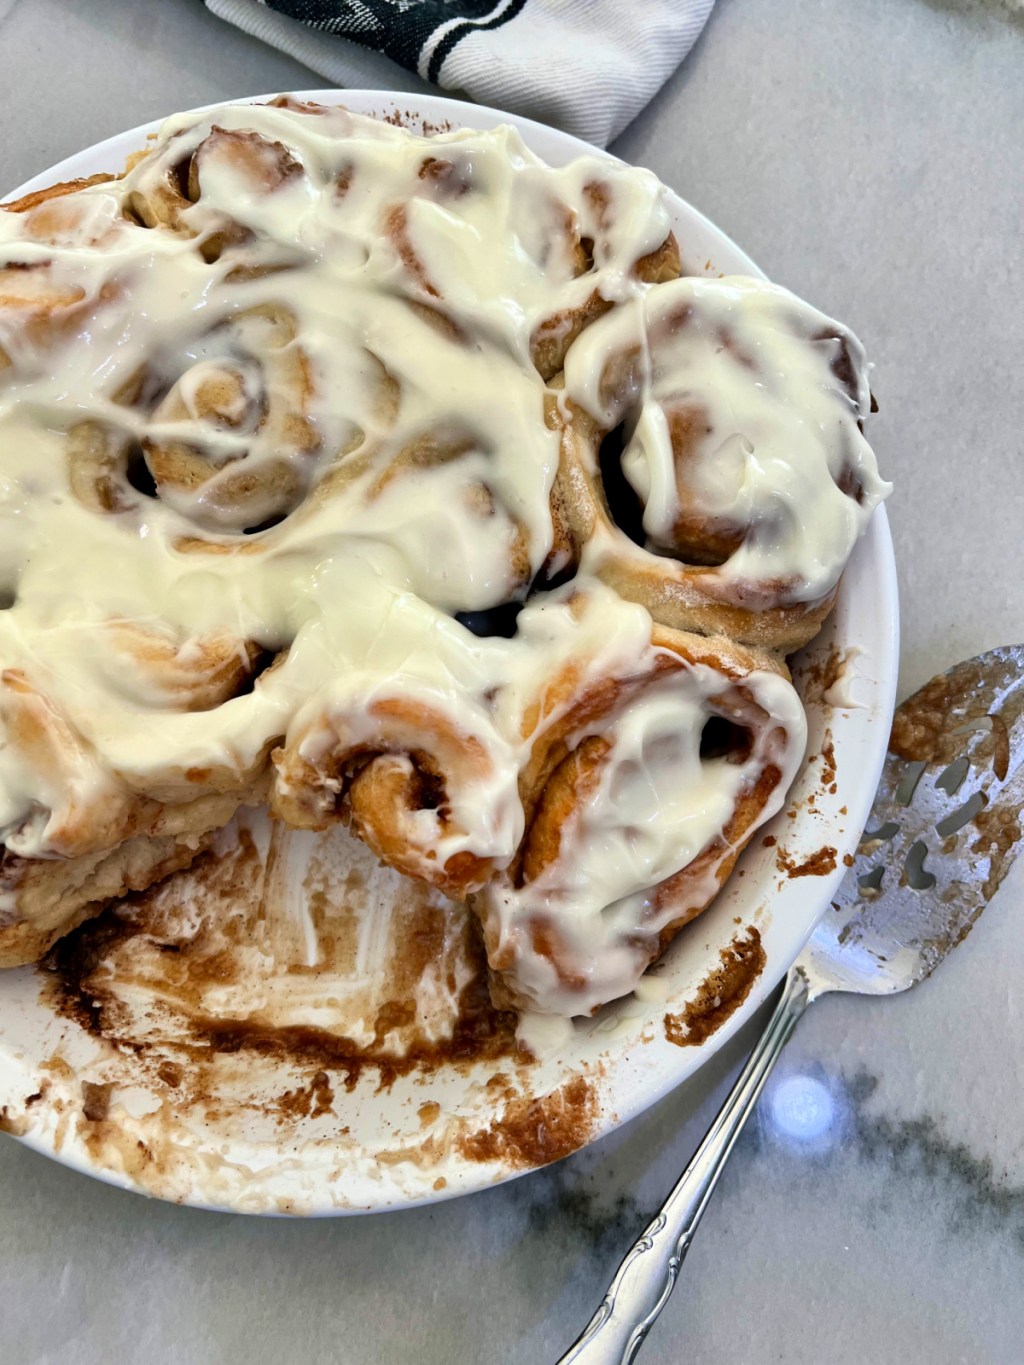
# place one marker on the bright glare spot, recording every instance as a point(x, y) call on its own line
point(802, 1108)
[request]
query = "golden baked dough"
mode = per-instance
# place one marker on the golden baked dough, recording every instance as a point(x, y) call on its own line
point(705, 426)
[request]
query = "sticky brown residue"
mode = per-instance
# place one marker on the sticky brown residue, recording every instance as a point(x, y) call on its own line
point(429, 1113)
point(236, 981)
point(479, 1033)
point(721, 993)
point(307, 1101)
point(930, 726)
point(14, 1124)
point(919, 726)
point(1000, 747)
point(818, 676)
point(828, 761)
point(819, 864)
point(170, 1073)
point(501, 1087)
point(392, 1015)
point(408, 118)
point(102, 1136)
point(769, 841)
point(999, 832)
point(58, 1067)
point(95, 1101)
point(535, 1132)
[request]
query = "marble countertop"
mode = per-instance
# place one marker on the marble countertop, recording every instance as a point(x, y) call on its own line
point(870, 156)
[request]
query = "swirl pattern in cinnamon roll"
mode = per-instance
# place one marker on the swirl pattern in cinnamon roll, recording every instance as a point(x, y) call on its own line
point(741, 479)
point(647, 774)
point(292, 410)
point(402, 741)
point(409, 780)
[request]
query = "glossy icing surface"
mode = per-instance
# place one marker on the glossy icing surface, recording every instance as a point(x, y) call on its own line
point(278, 392)
point(744, 409)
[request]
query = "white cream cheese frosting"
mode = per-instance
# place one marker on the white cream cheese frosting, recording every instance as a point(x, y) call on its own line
point(273, 393)
point(774, 393)
point(658, 805)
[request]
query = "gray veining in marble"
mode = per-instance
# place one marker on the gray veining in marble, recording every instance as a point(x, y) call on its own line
point(871, 156)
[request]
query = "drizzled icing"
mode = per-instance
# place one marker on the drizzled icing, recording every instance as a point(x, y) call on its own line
point(322, 338)
point(443, 495)
point(657, 805)
point(769, 396)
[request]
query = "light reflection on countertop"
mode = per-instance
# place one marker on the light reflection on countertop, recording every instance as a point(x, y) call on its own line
point(803, 1114)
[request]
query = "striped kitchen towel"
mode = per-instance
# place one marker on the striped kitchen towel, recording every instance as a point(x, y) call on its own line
point(588, 66)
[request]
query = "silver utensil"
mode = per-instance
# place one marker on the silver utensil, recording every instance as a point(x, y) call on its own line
point(943, 831)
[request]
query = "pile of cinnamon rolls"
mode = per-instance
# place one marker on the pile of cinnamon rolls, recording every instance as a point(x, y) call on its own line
point(405, 482)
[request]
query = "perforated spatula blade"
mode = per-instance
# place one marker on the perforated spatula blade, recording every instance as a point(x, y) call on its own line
point(943, 832)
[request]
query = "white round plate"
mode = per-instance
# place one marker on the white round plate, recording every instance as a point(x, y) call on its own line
point(272, 1106)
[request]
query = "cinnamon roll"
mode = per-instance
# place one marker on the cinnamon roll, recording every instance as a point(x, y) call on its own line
point(229, 443)
point(402, 743)
point(714, 463)
point(647, 773)
point(101, 837)
point(309, 493)
point(406, 778)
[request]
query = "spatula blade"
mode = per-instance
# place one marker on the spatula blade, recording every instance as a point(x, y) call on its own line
point(943, 831)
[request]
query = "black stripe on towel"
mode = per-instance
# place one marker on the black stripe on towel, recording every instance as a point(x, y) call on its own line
point(456, 34)
point(399, 28)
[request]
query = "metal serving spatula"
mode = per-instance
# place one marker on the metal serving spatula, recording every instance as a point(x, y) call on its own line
point(944, 829)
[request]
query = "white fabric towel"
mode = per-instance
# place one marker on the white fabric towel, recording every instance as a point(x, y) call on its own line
point(588, 66)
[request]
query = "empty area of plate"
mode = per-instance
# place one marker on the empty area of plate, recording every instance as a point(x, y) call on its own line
point(289, 1027)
